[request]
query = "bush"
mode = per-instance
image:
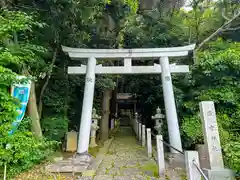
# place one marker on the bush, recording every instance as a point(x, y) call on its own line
point(231, 152)
point(54, 128)
point(25, 150)
point(192, 127)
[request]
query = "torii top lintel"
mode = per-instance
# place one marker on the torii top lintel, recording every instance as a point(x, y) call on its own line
point(79, 53)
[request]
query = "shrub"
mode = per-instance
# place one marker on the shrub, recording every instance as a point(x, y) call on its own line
point(25, 150)
point(55, 127)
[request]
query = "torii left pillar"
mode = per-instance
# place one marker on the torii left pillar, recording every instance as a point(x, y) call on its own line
point(86, 117)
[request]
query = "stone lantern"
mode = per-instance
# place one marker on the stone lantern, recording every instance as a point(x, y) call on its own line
point(94, 128)
point(158, 117)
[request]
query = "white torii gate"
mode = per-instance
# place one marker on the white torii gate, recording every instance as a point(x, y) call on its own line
point(128, 55)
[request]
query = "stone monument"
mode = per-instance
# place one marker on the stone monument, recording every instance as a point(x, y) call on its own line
point(94, 128)
point(212, 142)
point(158, 117)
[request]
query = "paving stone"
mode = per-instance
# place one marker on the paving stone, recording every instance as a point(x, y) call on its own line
point(113, 171)
point(123, 160)
point(101, 171)
point(124, 178)
point(119, 164)
point(103, 177)
point(84, 178)
point(140, 177)
point(89, 173)
point(131, 163)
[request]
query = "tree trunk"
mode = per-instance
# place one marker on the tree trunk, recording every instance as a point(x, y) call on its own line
point(40, 104)
point(113, 102)
point(33, 113)
point(104, 124)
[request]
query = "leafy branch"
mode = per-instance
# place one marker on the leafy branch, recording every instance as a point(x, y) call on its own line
point(224, 27)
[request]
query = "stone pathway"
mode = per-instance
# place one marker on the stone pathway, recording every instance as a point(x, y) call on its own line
point(126, 160)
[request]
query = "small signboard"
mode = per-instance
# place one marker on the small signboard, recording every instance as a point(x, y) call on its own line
point(124, 95)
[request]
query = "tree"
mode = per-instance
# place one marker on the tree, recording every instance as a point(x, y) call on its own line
point(18, 54)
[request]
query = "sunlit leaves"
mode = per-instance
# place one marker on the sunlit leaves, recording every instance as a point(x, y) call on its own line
point(6, 58)
point(232, 154)
point(7, 77)
point(133, 4)
point(16, 21)
point(193, 128)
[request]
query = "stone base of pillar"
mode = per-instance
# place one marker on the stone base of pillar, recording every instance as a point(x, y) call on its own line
point(77, 164)
point(93, 142)
point(219, 174)
point(203, 156)
point(176, 160)
point(83, 157)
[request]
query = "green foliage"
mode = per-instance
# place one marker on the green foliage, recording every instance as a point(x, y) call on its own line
point(15, 51)
point(232, 154)
point(18, 54)
point(54, 128)
point(192, 127)
point(15, 21)
point(216, 78)
point(152, 29)
point(150, 167)
point(54, 100)
point(25, 151)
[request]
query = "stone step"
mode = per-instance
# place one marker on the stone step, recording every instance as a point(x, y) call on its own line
point(66, 168)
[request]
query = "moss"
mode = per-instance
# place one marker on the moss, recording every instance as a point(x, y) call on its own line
point(150, 167)
point(183, 177)
point(137, 164)
point(124, 166)
point(166, 177)
point(93, 151)
point(54, 156)
point(107, 171)
point(111, 152)
point(148, 178)
point(113, 164)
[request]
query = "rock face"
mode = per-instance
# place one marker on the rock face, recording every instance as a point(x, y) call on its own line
point(151, 4)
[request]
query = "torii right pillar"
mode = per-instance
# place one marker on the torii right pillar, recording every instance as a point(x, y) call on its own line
point(171, 114)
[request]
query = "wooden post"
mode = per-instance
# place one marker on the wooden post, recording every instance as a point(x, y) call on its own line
point(149, 142)
point(160, 156)
point(192, 171)
point(143, 136)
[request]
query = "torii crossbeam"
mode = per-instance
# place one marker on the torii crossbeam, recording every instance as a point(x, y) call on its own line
point(128, 69)
point(128, 55)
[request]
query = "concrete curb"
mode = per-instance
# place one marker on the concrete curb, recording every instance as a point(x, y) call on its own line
point(96, 162)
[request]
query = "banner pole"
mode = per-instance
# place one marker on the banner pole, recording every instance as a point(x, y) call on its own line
point(5, 171)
